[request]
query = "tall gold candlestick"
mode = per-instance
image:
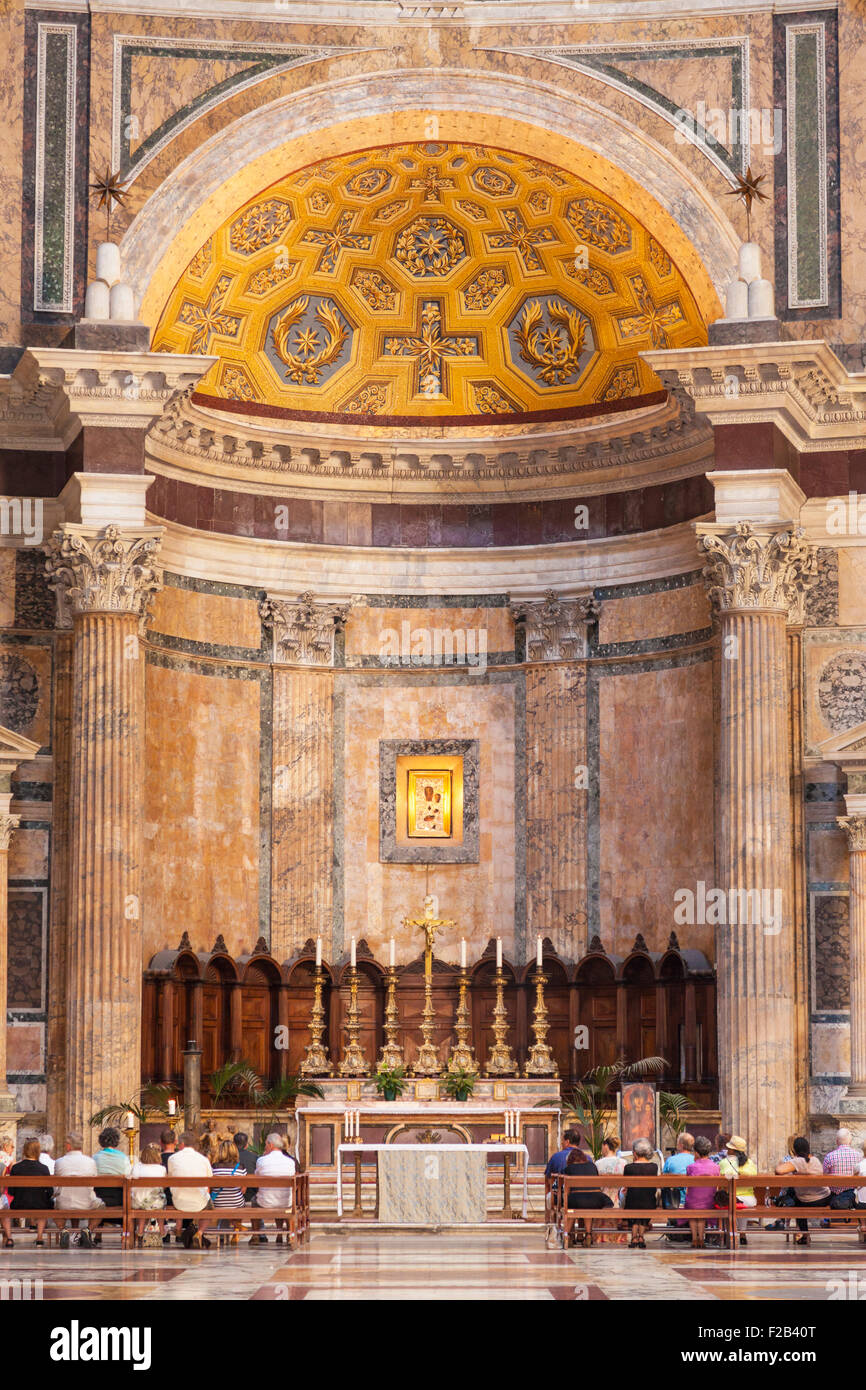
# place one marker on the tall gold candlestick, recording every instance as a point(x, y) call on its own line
point(462, 1056)
point(392, 1053)
point(316, 1062)
point(540, 1060)
point(354, 1062)
point(500, 1059)
point(427, 1062)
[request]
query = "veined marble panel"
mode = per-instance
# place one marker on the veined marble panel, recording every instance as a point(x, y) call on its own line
point(659, 614)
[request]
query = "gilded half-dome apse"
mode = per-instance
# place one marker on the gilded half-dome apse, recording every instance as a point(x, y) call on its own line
point(429, 280)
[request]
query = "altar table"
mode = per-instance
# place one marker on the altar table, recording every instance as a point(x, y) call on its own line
point(431, 1184)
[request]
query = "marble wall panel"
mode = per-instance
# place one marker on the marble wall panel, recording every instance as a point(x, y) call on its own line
point(24, 1042)
point(659, 614)
point(218, 619)
point(25, 690)
point(834, 663)
point(852, 584)
point(7, 587)
point(201, 806)
point(832, 988)
point(831, 1056)
point(303, 809)
point(480, 897)
point(28, 854)
point(655, 802)
point(828, 853)
point(556, 806)
point(375, 633)
point(26, 931)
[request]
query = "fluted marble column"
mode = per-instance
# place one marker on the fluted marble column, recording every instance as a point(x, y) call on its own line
point(855, 828)
point(756, 576)
point(107, 578)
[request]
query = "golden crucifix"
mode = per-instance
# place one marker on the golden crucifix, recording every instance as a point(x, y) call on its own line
point(427, 1061)
point(429, 925)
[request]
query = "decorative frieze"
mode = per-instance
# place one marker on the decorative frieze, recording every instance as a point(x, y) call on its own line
point(303, 631)
point(556, 629)
point(758, 569)
point(112, 571)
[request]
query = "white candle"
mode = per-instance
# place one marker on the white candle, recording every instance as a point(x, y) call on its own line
point(129, 1122)
point(463, 954)
point(538, 958)
point(347, 1126)
point(393, 957)
point(172, 1107)
point(318, 953)
point(354, 961)
point(499, 953)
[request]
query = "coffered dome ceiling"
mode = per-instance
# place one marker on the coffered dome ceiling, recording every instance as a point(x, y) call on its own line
point(436, 280)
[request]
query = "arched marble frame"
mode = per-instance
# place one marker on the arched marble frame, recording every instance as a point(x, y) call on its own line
point(506, 111)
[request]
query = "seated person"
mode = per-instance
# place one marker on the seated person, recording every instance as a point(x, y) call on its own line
point(187, 1162)
point(643, 1165)
point(148, 1165)
point(273, 1161)
point(111, 1162)
point(228, 1165)
point(74, 1163)
point(678, 1163)
point(28, 1198)
point(803, 1161)
point(700, 1198)
point(557, 1162)
point(580, 1165)
point(737, 1163)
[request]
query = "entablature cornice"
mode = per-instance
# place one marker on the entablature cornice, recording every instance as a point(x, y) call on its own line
point(800, 386)
point(657, 444)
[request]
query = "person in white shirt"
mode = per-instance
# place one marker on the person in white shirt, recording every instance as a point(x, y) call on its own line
point(46, 1155)
point(274, 1161)
point(76, 1164)
point(860, 1198)
point(187, 1162)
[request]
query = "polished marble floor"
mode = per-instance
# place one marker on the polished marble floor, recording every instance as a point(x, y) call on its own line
point(500, 1263)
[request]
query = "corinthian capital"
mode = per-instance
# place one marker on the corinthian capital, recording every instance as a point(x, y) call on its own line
point(751, 568)
point(7, 825)
point(107, 571)
point(855, 829)
point(303, 630)
point(555, 628)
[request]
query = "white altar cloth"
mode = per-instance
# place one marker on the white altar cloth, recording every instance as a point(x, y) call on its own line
point(429, 1185)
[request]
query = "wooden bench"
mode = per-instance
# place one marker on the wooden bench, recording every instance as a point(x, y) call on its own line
point(566, 1220)
point(843, 1222)
point(132, 1220)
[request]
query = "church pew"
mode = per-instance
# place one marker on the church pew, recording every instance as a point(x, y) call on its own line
point(764, 1185)
point(567, 1219)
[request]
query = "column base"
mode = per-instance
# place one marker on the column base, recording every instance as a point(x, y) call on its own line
point(853, 1102)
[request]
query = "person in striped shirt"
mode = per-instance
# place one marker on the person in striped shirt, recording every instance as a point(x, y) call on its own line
point(228, 1165)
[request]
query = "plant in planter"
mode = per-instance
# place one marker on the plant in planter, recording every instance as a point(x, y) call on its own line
point(460, 1083)
point(391, 1082)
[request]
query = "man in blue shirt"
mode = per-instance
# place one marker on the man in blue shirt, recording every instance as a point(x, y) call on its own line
point(558, 1162)
point(678, 1163)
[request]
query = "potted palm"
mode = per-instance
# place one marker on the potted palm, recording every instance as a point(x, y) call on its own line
point(460, 1083)
point(391, 1082)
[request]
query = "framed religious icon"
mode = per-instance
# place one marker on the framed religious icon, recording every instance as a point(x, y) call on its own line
point(428, 808)
point(637, 1113)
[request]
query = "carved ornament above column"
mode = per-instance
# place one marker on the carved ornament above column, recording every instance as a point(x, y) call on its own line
point(7, 825)
point(855, 829)
point(109, 571)
point(303, 631)
point(556, 629)
point(760, 569)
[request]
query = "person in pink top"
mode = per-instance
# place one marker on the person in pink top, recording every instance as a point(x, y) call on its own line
point(700, 1198)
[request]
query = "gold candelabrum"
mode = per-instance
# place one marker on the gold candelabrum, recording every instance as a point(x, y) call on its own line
point(354, 1062)
point(391, 1055)
point(427, 1061)
point(540, 1061)
point(462, 1056)
point(500, 1059)
point(316, 1061)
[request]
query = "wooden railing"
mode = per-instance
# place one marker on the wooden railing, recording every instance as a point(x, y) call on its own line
point(296, 1215)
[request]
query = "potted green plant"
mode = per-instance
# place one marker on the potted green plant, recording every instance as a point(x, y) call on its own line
point(460, 1083)
point(391, 1082)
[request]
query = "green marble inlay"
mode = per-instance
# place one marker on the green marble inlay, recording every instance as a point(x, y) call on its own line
point(53, 289)
point(807, 141)
point(259, 63)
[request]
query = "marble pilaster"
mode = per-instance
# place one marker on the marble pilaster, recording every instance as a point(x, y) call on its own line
point(854, 826)
point(107, 577)
point(755, 575)
point(14, 750)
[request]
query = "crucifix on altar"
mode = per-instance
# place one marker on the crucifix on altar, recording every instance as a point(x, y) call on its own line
point(427, 1062)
